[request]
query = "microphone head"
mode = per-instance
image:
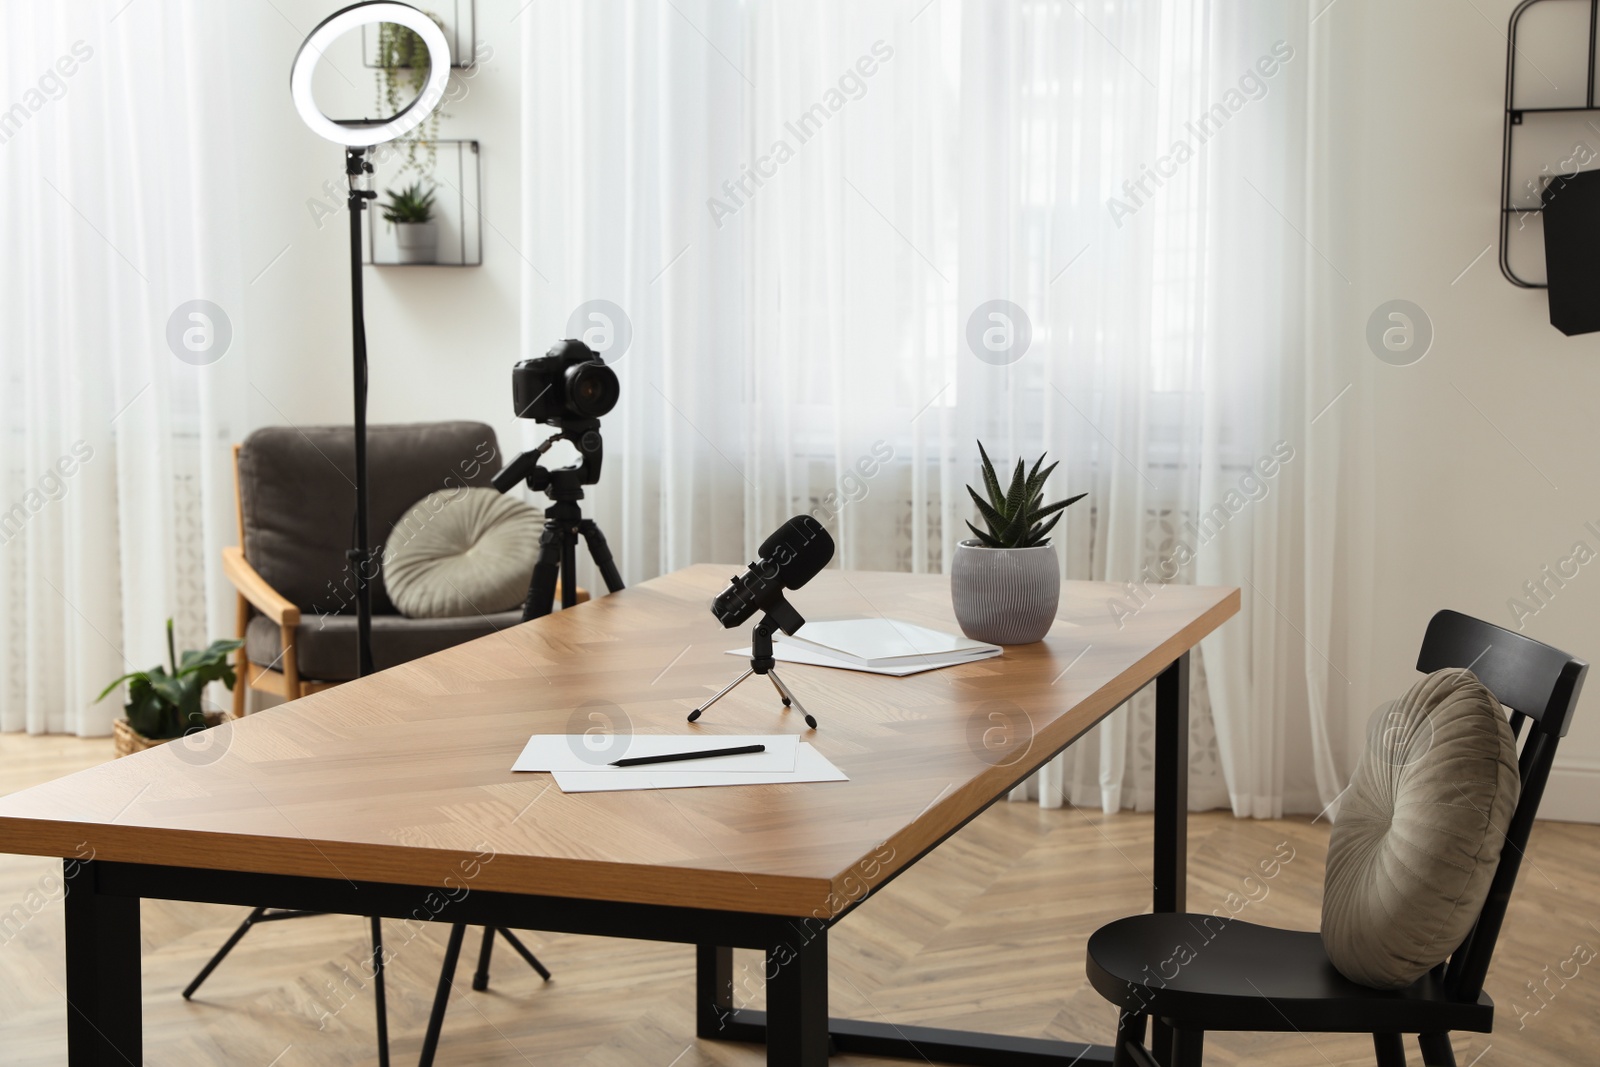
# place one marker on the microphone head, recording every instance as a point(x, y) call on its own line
point(790, 558)
point(801, 547)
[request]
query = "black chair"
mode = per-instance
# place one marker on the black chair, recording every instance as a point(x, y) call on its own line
point(1259, 979)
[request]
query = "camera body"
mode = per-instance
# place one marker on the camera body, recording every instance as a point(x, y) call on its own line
point(569, 383)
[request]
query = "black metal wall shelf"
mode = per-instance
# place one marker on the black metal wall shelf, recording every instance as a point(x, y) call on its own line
point(1517, 117)
point(458, 206)
point(461, 28)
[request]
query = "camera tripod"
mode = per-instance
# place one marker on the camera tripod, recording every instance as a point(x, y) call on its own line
point(563, 519)
point(762, 662)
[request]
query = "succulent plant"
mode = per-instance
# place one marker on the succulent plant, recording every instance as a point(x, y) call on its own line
point(1016, 517)
point(411, 204)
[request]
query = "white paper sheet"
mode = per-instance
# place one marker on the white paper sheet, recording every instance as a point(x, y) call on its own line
point(810, 766)
point(592, 752)
point(881, 642)
point(796, 654)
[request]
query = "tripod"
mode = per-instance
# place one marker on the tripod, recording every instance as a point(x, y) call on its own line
point(563, 519)
point(762, 661)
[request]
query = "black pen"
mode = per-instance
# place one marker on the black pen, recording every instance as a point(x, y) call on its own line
point(672, 757)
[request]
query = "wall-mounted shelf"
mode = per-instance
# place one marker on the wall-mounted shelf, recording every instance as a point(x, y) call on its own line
point(458, 204)
point(460, 28)
point(1549, 134)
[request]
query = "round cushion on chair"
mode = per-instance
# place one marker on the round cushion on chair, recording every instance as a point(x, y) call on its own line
point(1419, 831)
point(463, 552)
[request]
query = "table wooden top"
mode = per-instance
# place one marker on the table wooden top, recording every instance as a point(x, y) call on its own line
point(404, 777)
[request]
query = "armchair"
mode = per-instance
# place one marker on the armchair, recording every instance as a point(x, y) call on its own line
point(296, 602)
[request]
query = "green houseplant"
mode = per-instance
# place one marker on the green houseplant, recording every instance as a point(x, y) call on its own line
point(164, 701)
point(403, 66)
point(410, 211)
point(1006, 581)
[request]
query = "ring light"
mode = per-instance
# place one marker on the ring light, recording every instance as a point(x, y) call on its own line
point(362, 133)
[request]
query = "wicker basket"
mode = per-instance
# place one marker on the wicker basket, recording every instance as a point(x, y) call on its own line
point(128, 740)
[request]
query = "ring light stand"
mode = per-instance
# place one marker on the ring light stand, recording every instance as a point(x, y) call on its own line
point(357, 136)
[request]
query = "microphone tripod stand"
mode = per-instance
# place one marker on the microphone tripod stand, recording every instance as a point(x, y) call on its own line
point(779, 617)
point(563, 519)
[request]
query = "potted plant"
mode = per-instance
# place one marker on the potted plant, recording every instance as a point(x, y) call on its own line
point(1006, 582)
point(410, 211)
point(164, 702)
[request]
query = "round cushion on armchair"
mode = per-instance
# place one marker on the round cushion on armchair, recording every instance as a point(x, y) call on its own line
point(466, 552)
point(1419, 832)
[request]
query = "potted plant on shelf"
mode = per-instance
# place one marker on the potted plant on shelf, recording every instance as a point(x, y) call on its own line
point(164, 702)
point(410, 211)
point(1006, 582)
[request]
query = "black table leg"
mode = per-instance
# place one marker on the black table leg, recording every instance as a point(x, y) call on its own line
point(713, 993)
point(104, 1027)
point(1172, 808)
point(797, 1002)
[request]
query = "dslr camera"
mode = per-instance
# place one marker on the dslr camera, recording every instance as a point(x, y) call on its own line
point(568, 384)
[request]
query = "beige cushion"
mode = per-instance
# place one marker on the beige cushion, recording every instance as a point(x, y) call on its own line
point(1419, 831)
point(462, 552)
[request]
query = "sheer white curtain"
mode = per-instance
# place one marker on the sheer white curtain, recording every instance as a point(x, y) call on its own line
point(806, 212)
point(115, 488)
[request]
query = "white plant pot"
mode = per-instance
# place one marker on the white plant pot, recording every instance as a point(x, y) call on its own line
point(417, 242)
point(1006, 596)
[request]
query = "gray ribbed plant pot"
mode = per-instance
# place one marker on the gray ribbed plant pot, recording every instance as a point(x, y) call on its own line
point(1006, 596)
point(416, 242)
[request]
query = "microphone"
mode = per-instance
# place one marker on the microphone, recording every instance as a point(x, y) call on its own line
point(801, 548)
point(790, 558)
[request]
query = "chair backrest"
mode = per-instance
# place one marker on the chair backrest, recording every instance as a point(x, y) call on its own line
point(297, 498)
point(1540, 685)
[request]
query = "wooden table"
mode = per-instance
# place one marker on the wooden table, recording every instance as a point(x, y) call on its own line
point(392, 796)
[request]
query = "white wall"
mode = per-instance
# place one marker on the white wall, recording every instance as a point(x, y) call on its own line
point(1471, 470)
point(441, 340)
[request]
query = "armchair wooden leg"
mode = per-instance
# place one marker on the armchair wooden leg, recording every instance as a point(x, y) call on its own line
point(1436, 1050)
point(1391, 1050)
point(290, 665)
point(241, 663)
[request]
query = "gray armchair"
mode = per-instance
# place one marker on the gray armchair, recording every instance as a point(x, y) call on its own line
point(296, 507)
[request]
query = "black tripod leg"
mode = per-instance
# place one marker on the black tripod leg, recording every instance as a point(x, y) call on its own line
point(601, 553)
point(542, 587)
point(227, 947)
point(441, 998)
point(480, 980)
point(522, 950)
point(377, 983)
point(569, 567)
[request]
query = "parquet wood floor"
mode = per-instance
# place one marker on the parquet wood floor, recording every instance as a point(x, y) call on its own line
point(987, 932)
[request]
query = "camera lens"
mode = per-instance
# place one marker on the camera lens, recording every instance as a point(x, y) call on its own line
point(592, 389)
